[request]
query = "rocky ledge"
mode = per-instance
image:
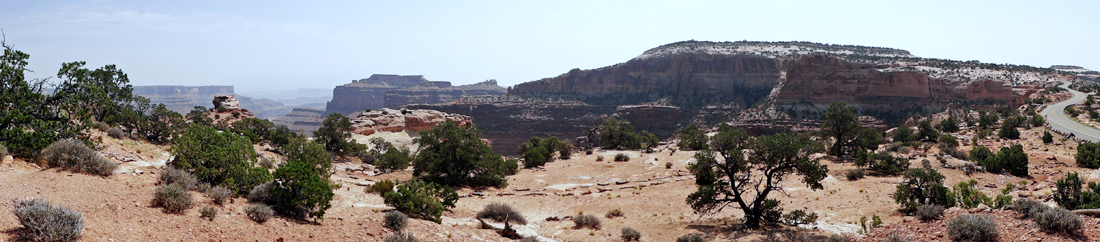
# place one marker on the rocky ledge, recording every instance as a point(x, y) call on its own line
point(415, 120)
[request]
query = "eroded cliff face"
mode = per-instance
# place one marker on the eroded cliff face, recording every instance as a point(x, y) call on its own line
point(393, 91)
point(412, 120)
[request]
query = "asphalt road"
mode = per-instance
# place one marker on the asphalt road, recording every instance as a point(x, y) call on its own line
point(1058, 121)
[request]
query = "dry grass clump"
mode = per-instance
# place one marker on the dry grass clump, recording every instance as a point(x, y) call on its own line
point(209, 213)
point(45, 222)
point(260, 193)
point(599, 158)
point(629, 234)
point(400, 237)
point(928, 212)
point(116, 133)
point(73, 155)
point(838, 238)
point(614, 213)
point(855, 174)
point(622, 157)
point(395, 220)
point(259, 213)
point(500, 212)
point(1059, 219)
point(972, 228)
point(219, 194)
point(101, 126)
point(586, 221)
point(171, 175)
point(896, 237)
point(691, 238)
point(173, 198)
point(381, 187)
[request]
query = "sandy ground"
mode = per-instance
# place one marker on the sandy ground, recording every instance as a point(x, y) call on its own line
point(117, 208)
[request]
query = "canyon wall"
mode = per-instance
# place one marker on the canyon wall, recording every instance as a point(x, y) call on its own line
point(182, 99)
point(393, 91)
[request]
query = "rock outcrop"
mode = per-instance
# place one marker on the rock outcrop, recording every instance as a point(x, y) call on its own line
point(712, 82)
point(413, 120)
point(182, 99)
point(226, 103)
point(393, 91)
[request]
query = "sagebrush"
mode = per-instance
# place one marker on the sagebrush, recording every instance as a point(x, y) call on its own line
point(400, 237)
point(501, 212)
point(629, 234)
point(43, 221)
point(208, 213)
point(975, 228)
point(395, 220)
point(259, 213)
point(586, 221)
point(173, 198)
point(73, 155)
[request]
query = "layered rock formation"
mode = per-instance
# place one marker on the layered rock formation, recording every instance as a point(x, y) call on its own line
point(305, 120)
point(711, 82)
point(182, 99)
point(393, 91)
point(413, 120)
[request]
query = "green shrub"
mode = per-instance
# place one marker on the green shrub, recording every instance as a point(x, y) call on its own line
point(923, 186)
point(259, 213)
point(948, 125)
point(400, 237)
point(799, 217)
point(882, 163)
point(173, 198)
point(219, 194)
point(1047, 138)
point(218, 158)
point(1088, 155)
point(629, 234)
point(586, 221)
point(854, 174)
point(1071, 195)
point(208, 213)
point(1008, 131)
point(976, 228)
point(43, 221)
point(381, 187)
point(622, 157)
point(1058, 219)
point(691, 238)
point(619, 134)
point(500, 212)
point(692, 138)
point(335, 135)
point(299, 191)
point(423, 200)
point(455, 156)
point(537, 151)
point(928, 212)
point(948, 140)
point(535, 157)
point(980, 153)
point(116, 133)
point(260, 193)
point(903, 134)
point(395, 220)
point(393, 160)
point(73, 155)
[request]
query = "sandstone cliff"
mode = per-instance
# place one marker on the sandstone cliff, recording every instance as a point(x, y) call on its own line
point(711, 82)
point(393, 91)
point(182, 99)
point(413, 120)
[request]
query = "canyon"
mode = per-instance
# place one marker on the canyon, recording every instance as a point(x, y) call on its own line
point(393, 91)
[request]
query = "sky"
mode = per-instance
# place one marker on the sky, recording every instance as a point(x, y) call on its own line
point(286, 45)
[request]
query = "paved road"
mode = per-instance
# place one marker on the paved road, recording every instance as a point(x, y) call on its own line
point(1058, 121)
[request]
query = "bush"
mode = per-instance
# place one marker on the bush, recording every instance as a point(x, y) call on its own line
point(260, 193)
point(42, 221)
point(101, 126)
point(668, 165)
point(71, 154)
point(923, 186)
point(173, 198)
point(799, 217)
point(381, 187)
point(208, 212)
point(1070, 194)
point(838, 238)
point(219, 194)
point(423, 200)
point(882, 163)
point(259, 213)
point(896, 237)
point(622, 157)
point(619, 134)
point(1088, 155)
point(586, 221)
point(182, 178)
point(400, 237)
point(1058, 219)
point(599, 158)
point(980, 153)
point(629, 234)
point(968, 227)
point(451, 155)
point(116, 133)
point(266, 163)
point(854, 174)
point(535, 157)
point(928, 212)
point(299, 191)
point(395, 221)
point(692, 138)
point(537, 151)
point(219, 158)
point(335, 135)
point(948, 140)
point(393, 160)
point(1027, 207)
point(3, 151)
point(691, 238)
point(903, 134)
point(1047, 138)
point(614, 213)
point(500, 212)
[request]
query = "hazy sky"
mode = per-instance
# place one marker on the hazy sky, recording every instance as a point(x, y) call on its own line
point(272, 45)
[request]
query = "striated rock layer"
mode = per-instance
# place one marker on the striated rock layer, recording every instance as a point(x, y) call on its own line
point(413, 120)
point(711, 82)
point(393, 91)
